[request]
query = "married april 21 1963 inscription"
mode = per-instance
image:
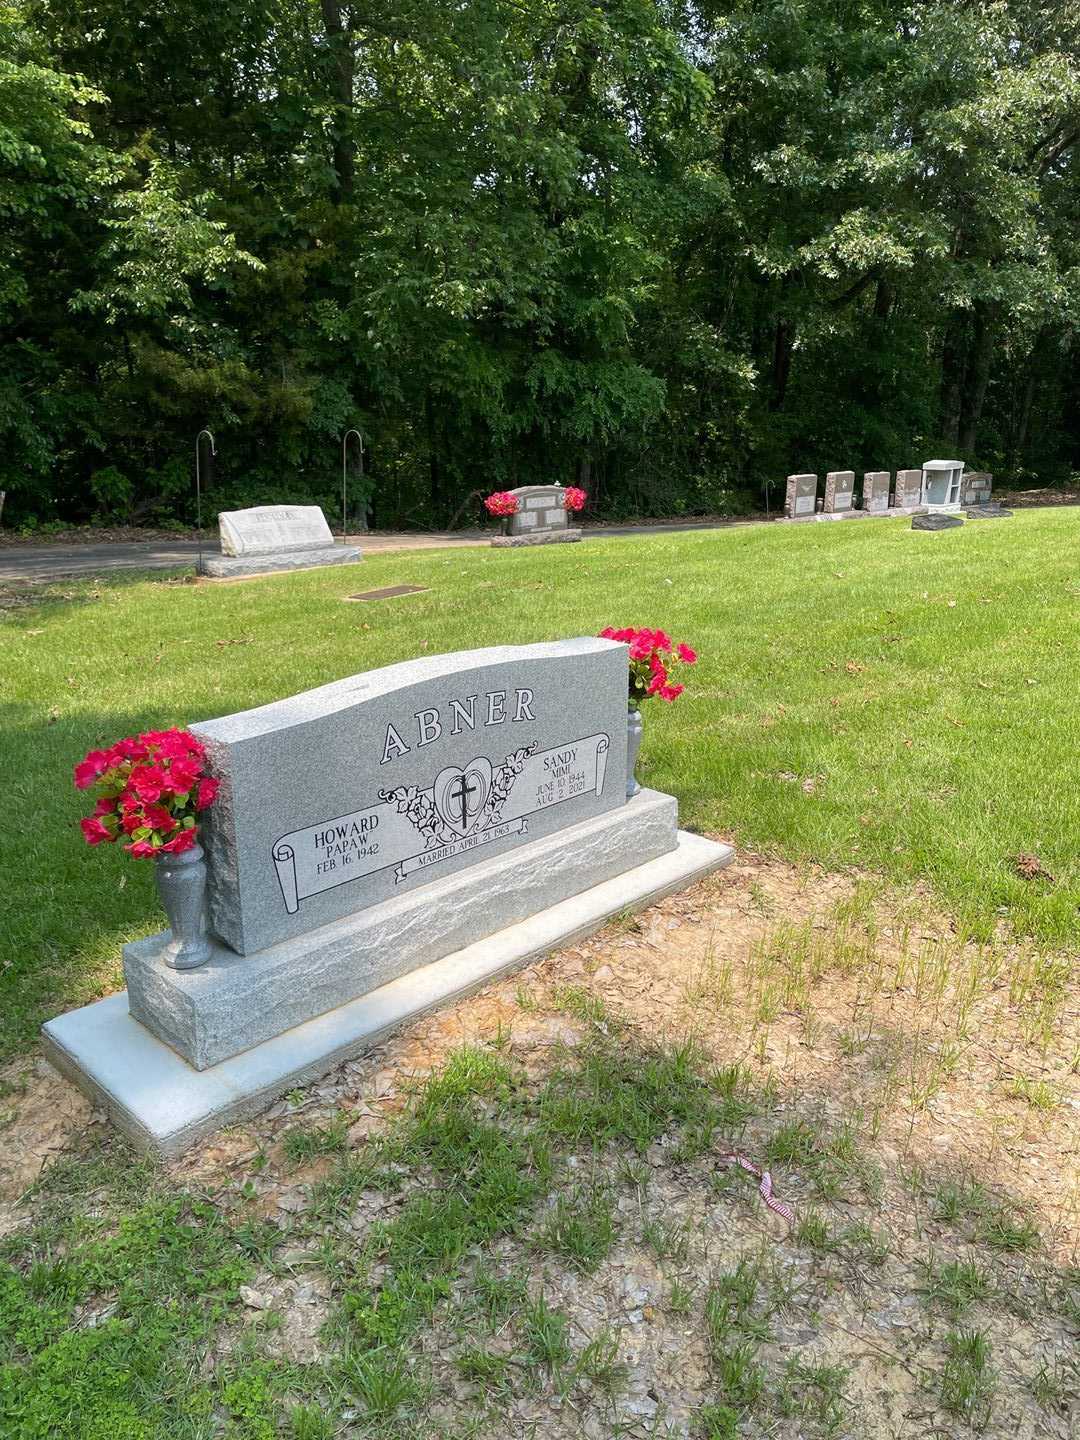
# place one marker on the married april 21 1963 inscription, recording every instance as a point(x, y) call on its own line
point(413, 828)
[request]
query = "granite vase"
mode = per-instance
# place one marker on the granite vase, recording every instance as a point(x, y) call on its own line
point(635, 727)
point(181, 882)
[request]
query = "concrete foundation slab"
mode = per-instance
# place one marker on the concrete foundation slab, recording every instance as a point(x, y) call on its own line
point(165, 1105)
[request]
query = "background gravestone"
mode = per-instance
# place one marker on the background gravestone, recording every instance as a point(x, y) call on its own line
point(275, 537)
point(908, 494)
point(976, 487)
point(875, 495)
point(839, 491)
point(800, 498)
point(541, 518)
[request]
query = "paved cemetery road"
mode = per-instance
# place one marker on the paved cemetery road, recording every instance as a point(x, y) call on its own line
point(43, 563)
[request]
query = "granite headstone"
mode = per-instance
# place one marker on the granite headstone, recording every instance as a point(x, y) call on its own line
point(875, 495)
point(976, 487)
point(361, 790)
point(800, 499)
point(839, 492)
point(275, 537)
point(541, 518)
point(908, 493)
point(380, 845)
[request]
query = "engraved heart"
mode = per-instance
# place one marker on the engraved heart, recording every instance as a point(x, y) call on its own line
point(459, 795)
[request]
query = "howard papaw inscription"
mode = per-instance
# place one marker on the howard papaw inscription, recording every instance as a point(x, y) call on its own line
point(412, 829)
point(363, 790)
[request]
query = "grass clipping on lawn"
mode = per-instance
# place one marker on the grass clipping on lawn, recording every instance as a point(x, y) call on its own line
point(512, 1219)
point(866, 697)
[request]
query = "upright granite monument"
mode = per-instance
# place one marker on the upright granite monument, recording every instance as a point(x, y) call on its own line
point(907, 497)
point(379, 845)
point(275, 537)
point(800, 499)
point(839, 492)
point(875, 492)
point(541, 518)
point(976, 487)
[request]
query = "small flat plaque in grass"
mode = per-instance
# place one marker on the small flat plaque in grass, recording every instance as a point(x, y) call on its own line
point(389, 592)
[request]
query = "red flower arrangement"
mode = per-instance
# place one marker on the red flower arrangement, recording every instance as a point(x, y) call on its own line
point(574, 499)
point(502, 503)
point(652, 653)
point(150, 789)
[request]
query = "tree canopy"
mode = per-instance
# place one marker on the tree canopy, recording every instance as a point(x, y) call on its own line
point(667, 251)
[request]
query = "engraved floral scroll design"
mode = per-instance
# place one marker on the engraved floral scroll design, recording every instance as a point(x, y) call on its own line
point(419, 807)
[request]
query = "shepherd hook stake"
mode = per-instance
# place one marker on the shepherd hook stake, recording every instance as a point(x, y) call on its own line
point(345, 477)
point(198, 490)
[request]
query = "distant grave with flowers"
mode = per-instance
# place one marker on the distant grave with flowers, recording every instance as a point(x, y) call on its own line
point(536, 514)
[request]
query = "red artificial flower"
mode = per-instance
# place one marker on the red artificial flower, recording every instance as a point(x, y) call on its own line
point(206, 793)
point(158, 818)
point(501, 503)
point(148, 783)
point(182, 775)
point(139, 774)
point(87, 771)
point(650, 654)
point(131, 749)
point(573, 498)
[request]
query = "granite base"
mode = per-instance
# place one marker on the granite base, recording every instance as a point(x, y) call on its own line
point(164, 1105)
point(820, 515)
point(236, 1001)
point(224, 567)
point(543, 537)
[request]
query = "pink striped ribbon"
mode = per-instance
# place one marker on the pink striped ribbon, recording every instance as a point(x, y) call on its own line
point(765, 1189)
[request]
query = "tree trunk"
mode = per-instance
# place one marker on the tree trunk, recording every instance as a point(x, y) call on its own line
point(783, 342)
point(977, 376)
point(953, 363)
point(434, 476)
point(343, 61)
point(883, 300)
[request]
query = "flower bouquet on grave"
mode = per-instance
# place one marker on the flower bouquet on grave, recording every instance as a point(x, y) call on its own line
point(502, 504)
point(574, 499)
point(653, 655)
point(151, 788)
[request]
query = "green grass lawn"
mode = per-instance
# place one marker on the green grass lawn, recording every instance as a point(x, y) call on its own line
point(866, 696)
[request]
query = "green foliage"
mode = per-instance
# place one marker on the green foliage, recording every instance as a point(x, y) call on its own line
point(668, 252)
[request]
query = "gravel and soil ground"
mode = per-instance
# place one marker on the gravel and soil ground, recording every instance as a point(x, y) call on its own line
point(517, 1218)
